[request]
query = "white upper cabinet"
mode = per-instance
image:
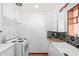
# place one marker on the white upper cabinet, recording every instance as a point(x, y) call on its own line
point(18, 14)
point(1, 17)
point(61, 22)
point(9, 10)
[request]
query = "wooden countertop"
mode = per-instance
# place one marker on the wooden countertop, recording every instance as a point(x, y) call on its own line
point(55, 40)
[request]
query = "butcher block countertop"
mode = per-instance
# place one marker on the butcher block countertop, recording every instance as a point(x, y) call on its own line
point(66, 48)
point(55, 40)
point(4, 47)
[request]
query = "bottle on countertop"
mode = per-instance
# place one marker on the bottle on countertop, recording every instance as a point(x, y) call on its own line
point(76, 38)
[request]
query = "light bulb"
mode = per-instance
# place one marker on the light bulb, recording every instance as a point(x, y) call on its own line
point(36, 6)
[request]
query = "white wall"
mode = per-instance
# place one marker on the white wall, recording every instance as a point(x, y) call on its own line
point(50, 19)
point(34, 27)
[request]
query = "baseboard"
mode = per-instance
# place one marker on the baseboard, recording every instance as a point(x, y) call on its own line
point(38, 53)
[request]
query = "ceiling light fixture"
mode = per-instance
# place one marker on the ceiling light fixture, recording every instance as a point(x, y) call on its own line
point(19, 4)
point(36, 6)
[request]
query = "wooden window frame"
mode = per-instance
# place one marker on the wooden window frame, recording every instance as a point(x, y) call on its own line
point(70, 19)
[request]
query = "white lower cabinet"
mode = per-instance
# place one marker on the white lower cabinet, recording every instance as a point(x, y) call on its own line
point(8, 52)
point(50, 50)
point(53, 51)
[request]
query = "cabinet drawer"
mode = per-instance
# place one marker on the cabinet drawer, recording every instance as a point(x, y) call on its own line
point(8, 52)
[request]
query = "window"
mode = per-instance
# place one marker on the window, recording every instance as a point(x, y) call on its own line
point(73, 18)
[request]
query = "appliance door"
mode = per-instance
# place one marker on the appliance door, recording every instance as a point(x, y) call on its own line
point(18, 50)
point(25, 50)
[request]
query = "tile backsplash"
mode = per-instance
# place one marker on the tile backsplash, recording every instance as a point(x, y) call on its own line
point(52, 34)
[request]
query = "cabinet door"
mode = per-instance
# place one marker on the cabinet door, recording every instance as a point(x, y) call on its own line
point(8, 52)
point(61, 22)
point(18, 15)
point(9, 10)
point(1, 16)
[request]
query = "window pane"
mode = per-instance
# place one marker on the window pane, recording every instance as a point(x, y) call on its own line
point(75, 20)
point(78, 19)
point(75, 13)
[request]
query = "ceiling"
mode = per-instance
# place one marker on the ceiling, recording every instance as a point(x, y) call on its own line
point(41, 6)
